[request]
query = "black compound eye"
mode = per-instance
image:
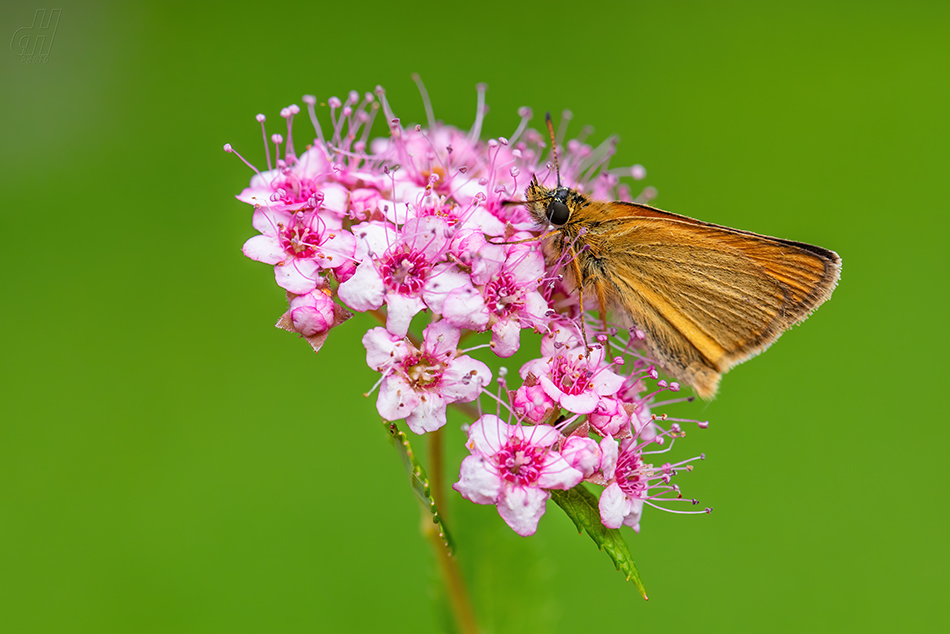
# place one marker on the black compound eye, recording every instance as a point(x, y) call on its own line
point(557, 212)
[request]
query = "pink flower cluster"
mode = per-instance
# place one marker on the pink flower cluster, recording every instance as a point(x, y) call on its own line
point(417, 223)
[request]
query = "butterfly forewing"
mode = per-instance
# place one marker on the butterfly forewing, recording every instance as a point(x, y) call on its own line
point(708, 297)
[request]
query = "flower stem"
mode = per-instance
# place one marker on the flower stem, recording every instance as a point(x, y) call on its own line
point(437, 470)
point(454, 583)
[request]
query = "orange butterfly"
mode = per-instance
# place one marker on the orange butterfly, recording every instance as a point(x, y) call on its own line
point(708, 297)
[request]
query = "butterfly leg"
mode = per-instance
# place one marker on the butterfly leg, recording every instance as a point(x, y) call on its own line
point(579, 279)
point(601, 289)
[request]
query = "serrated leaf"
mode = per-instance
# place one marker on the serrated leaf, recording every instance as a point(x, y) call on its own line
point(581, 506)
point(419, 480)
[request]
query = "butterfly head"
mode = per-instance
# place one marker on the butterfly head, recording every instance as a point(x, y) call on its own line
point(553, 207)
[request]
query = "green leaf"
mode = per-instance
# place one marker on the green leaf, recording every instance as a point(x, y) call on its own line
point(418, 480)
point(581, 506)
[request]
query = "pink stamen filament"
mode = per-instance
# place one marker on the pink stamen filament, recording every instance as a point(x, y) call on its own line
point(476, 131)
point(289, 154)
point(311, 102)
point(261, 119)
point(708, 510)
point(525, 114)
point(231, 150)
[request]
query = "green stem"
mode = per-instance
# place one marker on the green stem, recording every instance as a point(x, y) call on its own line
point(437, 470)
point(451, 573)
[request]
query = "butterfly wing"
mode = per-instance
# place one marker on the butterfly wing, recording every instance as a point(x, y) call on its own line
point(708, 297)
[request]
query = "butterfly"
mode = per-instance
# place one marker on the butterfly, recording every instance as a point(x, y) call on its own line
point(707, 297)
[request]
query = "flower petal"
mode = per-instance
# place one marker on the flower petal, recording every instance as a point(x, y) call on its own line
point(557, 473)
point(401, 309)
point(609, 449)
point(464, 379)
point(465, 307)
point(297, 276)
point(488, 434)
point(478, 480)
point(522, 508)
point(537, 435)
point(634, 512)
point(582, 453)
point(612, 504)
point(606, 382)
point(264, 249)
point(506, 337)
point(428, 415)
point(396, 398)
point(383, 349)
point(267, 220)
point(334, 198)
point(441, 340)
point(364, 291)
point(426, 235)
point(442, 280)
point(337, 249)
point(529, 267)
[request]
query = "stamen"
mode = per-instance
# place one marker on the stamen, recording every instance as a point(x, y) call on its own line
point(311, 102)
point(277, 139)
point(430, 115)
point(525, 113)
point(261, 119)
point(480, 111)
point(566, 116)
point(231, 150)
point(390, 117)
point(375, 385)
point(648, 194)
point(288, 113)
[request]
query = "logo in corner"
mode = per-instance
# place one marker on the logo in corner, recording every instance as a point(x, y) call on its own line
point(33, 43)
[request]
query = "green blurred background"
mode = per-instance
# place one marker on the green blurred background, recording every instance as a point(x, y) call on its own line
point(170, 462)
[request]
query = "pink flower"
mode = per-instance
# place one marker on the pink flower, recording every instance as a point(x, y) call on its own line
point(622, 501)
point(588, 456)
point(573, 379)
point(300, 244)
point(530, 402)
point(513, 467)
point(632, 482)
point(418, 384)
point(401, 270)
point(610, 418)
point(507, 278)
point(313, 315)
point(290, 188)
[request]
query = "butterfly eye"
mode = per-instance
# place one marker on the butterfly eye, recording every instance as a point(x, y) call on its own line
point(558, 213)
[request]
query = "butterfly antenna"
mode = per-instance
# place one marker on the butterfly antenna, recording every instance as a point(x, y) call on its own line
point(557, 171)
